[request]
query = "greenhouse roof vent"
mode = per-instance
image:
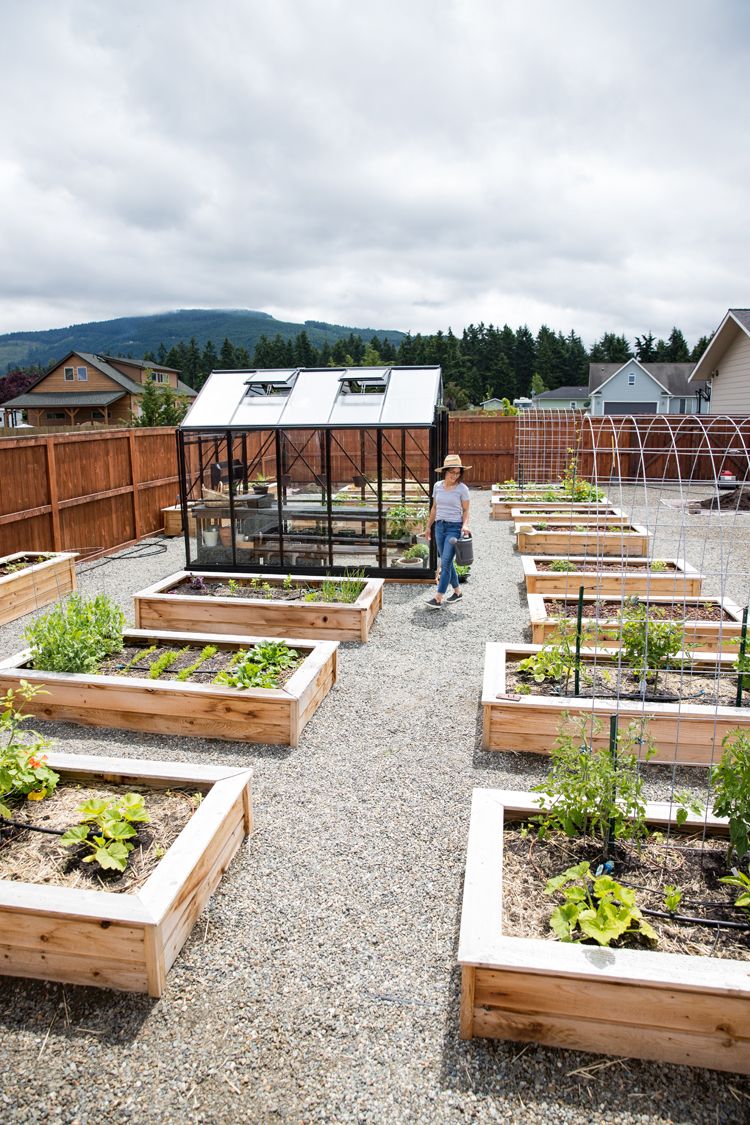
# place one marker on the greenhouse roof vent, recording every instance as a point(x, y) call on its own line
point(305, 397)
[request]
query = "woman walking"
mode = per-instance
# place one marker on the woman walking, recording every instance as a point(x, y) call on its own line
point(450, 515)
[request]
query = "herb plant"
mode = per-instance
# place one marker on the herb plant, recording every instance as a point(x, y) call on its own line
point(418, 551)
point(23, 767)
point(110, 847)
point(602, 912)
point(658, 565)
point(76, 635)
point(260, 666)
point(590, 789)
point(561, 565)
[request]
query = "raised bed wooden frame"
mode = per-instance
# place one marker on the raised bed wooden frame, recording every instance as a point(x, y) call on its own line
point(502, 508)
point(683, 581)
point(710, 636)
point(157, 609)
point(687, 734)
point(672, 1007)
point(122, 941)
point(266, 715)
point(36, 585)
point(595, 540)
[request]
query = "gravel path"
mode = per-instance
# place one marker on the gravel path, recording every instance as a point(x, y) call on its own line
point(320, 983)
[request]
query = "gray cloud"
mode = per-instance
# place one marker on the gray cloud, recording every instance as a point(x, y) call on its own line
point(410, 165)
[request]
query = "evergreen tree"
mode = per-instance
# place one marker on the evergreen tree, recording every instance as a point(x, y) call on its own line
point(388, 353)
point(645, 348)
point(191, 370)
point(161, 354)
point(700, 347)
point(340, 355)
point(149, 357)
point(227, 357)
point(241, 357)
point(611, 349)
point(371, 358)
point(577, 361)
point(208, 362)
point(175, 358)
point(525, 355)
point(325, 359)
point(159, 406)
point(305, 354)
point(678, 350)
point(537, 385)
point(356, 348)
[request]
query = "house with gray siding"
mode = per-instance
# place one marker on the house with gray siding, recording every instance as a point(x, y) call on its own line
point(562, 398)
point(643, 388)
point(725, 366)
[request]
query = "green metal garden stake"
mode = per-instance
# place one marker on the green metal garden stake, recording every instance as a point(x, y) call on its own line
point(741, 659)
point(613, 754)
point(578, 639)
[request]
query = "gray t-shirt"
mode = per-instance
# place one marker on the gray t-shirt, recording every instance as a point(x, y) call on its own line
point(449, 501)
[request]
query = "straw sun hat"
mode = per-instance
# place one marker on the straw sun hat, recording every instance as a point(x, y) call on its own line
point(452, 461)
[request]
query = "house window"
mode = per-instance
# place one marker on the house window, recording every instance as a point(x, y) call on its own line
point(97, 415)
point(573, 405)
point(69, 375)
point(631, 380)
point(158, 377)
point(53, 414)
point(682, 406)
point(83, 375)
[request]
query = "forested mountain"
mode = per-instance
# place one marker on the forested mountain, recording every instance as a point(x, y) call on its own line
point(484, 362)
point(138, 334)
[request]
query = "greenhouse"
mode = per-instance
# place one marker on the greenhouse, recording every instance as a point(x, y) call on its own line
point(301, 469)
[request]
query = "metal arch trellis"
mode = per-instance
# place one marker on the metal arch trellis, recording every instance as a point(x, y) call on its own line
point(664, 473)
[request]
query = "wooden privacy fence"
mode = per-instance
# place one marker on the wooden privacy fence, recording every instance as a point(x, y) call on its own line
point(96, 491)
point(90, 492)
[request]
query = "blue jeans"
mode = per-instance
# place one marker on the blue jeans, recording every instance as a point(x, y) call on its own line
point(448, 573)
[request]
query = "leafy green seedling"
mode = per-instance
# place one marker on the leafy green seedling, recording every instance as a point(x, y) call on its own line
point(672, 898)
point(602, 913)
point(165, 661)
point(206, 654)
point(561, 565)
point(740, 879)
point(110, 847)
point(260, 666)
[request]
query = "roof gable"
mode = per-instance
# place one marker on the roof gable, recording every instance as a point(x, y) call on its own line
point(736, 320)
point(670, 377)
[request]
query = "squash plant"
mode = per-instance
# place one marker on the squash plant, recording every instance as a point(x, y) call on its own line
point(112, 821)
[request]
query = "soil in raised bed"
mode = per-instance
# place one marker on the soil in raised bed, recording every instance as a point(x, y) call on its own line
point(265, 590)
point(23, 563)
point(115, 664)
point(606, 681)
point(680, 861)
point(596, 565)
point(675, 611)
point(34, 857)
point(588, 529)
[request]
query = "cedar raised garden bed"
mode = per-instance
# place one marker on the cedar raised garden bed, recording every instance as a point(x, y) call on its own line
point(685, 733)
point(199, 710)
point(561, 538)
point(709, 623)
point(127, 941)
point(502, 506)
point(45, 579)
point(285, 614)
point(606, 577)
point(638, 1003)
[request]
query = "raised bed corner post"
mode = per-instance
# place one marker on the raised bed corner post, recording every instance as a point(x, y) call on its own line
point(232, 528)
point(579, 619)
point(741, 658)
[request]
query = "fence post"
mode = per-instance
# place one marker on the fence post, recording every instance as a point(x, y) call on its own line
point(135, 478)
point(52, 489)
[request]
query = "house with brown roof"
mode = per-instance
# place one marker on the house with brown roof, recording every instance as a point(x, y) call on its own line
point(84, 387)
point(725, 365)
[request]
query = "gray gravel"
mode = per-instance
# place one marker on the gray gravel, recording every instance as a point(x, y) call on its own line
point(320, 983)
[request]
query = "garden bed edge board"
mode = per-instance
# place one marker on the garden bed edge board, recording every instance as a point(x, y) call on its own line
point(528, 723)
point(683, 579)
point(37, 585)
point(672, 1007)
point(343, 621)
point(128, 942)
point(213, 710)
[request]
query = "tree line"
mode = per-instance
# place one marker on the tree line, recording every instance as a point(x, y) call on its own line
point(486, 361)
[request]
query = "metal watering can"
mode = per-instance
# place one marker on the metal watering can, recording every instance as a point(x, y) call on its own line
point(464, 549)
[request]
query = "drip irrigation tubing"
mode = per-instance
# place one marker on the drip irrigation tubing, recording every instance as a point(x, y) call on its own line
point(695, 921)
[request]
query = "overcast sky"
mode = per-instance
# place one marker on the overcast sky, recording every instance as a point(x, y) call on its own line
point(407, 164)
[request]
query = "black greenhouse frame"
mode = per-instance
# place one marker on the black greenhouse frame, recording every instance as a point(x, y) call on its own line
point(374, 455)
